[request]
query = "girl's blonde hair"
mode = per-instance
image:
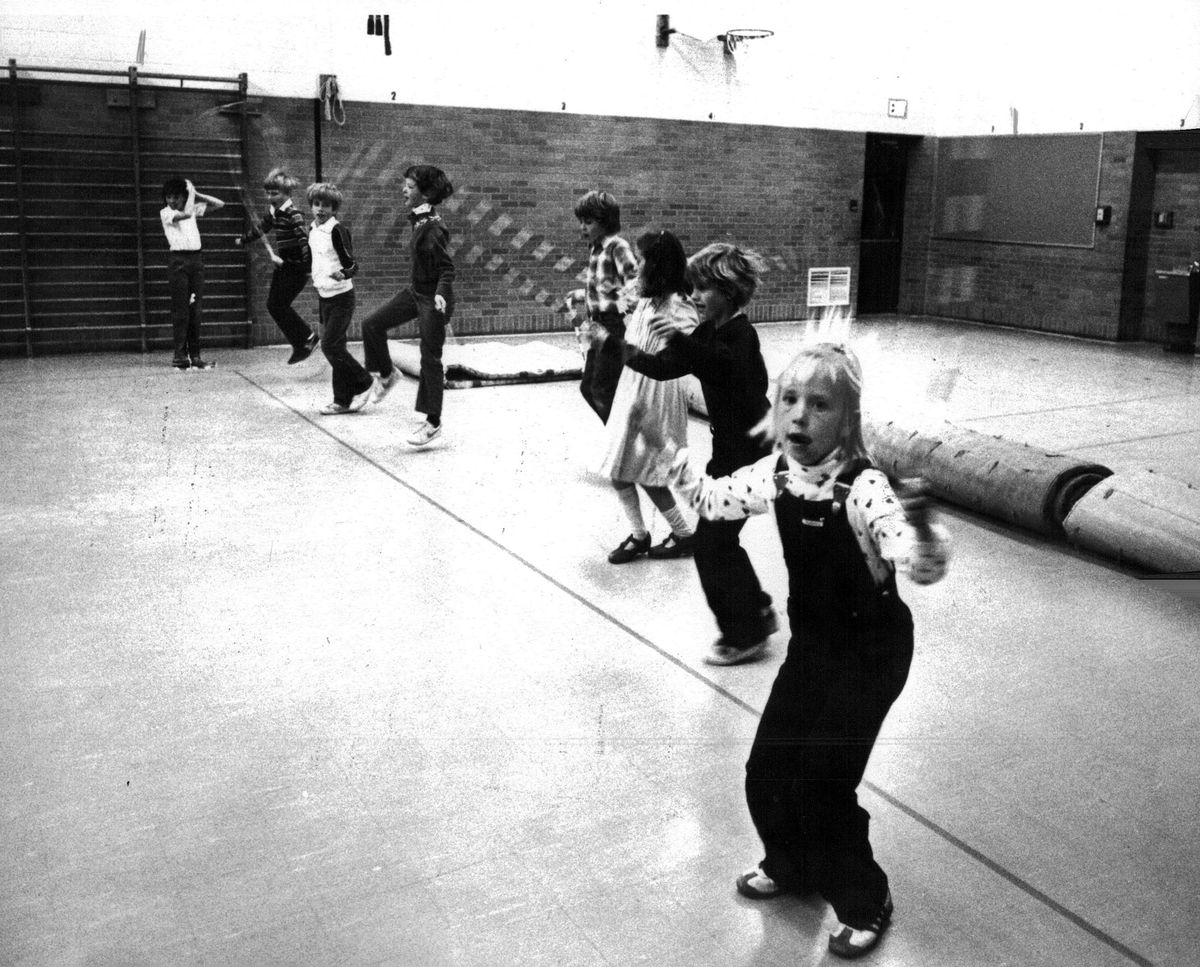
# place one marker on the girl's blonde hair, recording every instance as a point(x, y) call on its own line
point(838, 363)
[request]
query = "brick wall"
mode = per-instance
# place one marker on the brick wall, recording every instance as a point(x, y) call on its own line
point(782, 191)
point(517, 175)
point(1073, 291)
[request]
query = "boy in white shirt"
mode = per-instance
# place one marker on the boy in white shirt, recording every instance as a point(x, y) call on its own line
point(333, 266)
point(185, 266)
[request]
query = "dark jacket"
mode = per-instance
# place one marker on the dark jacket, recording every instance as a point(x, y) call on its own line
point(432, 267)
point(729, 364)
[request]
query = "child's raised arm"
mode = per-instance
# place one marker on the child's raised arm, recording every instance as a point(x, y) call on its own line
point(747, 491)
point(213, 203)
point(898, 526)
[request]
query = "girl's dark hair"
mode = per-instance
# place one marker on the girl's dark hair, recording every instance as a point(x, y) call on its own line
point(600, 207)
point(432, 182)
point(174, 186)
point(664, 266)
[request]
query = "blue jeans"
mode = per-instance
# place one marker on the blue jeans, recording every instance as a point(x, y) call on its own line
point(406, 306)
point(287, 282)
point(349, 377)
point(602, 367)
point(185, 282)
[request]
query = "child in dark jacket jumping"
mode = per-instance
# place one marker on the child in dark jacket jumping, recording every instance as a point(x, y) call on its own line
point(429, 300)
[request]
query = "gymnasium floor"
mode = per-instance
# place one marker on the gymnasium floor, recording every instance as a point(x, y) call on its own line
point(277, 691)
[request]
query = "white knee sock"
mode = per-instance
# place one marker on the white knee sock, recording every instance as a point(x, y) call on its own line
point(679, 524)
point(633, 510)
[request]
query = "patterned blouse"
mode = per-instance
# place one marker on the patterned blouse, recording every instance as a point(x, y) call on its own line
point(888, 540)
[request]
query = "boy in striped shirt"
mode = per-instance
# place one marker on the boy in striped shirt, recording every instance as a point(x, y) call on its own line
point(293, 261)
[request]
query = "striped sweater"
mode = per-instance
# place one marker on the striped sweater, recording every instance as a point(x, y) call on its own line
point(291, 233)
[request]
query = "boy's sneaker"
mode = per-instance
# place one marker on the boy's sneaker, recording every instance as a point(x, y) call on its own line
point(630, 548)
point(334, 409)
point(673, 546)
point(203, 364)
point(425, 434)
point(360, 400)
point(723, 653)
point(302, 352)
point(850, 943)
point(756, 885)
point(385, 384)
point(181, 364)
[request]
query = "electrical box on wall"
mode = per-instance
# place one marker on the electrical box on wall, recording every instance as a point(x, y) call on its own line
point(897, 108)
point(829, 287)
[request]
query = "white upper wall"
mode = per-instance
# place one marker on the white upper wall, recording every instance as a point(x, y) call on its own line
point(1063, 64)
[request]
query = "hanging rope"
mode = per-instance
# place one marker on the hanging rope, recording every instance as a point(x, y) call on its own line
point(332, 98)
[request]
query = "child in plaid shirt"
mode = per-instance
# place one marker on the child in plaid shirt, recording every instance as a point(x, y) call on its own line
point(611, 266)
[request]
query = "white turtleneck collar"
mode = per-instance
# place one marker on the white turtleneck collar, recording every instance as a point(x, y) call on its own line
point(815, 482)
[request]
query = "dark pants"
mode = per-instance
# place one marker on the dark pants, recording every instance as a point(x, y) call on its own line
point(349, 377)
point(406, 306)
point(730, 585)
point(287, 282)
point(602, 369)
point(814, 739)
point(185, 281)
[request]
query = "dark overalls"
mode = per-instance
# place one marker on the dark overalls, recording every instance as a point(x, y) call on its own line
point(847, 661)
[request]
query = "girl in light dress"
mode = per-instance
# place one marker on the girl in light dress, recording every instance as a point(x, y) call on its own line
point(662, 291)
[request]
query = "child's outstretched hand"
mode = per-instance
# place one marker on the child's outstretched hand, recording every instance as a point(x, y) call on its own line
point(932, 552)
point(914, 496)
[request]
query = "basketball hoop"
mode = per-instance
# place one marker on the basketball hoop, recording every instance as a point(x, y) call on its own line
point(731, 38)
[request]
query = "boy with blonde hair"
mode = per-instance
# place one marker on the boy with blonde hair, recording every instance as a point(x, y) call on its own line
point(723, 353)
point(292, 261)
point(333, 266)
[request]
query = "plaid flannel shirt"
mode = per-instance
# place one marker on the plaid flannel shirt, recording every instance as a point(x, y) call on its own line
point(611, 267)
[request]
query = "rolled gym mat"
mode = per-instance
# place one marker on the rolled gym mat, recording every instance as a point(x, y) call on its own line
point(1145, 518)
point(1010, 481)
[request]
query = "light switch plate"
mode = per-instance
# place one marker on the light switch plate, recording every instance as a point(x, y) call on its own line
point(897, 108)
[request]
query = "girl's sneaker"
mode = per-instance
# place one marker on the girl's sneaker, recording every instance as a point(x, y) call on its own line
point(424, 435)
point(385, 384)
point(850, 943)
point(334, 409)
point(756, 885)
point(723, 653)
point(369, 395)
